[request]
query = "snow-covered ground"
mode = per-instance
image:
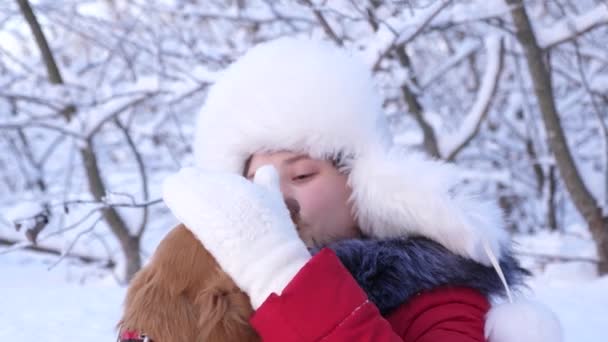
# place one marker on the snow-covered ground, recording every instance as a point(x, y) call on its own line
point(41, 305)
point(580, 303)
point(572, 288)
point(75, 303)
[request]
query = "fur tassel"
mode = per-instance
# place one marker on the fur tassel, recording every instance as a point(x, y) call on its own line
point(522, 321)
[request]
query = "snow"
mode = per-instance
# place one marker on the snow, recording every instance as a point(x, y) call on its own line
point(463, 11)
point(42, 305)
point(96, 10)
point(385, 39)
point(376, 45)
point(581, 306)
point(572, 26)
point(419, 21)
point(23, 211)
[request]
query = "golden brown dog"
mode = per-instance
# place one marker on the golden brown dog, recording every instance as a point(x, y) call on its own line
point(182, 295)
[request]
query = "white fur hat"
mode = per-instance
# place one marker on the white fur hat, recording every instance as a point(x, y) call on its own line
point(308, 96)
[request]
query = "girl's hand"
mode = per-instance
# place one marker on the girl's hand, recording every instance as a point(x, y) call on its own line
point(245, 225)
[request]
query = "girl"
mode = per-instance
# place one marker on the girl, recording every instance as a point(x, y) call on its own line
point(301, 119)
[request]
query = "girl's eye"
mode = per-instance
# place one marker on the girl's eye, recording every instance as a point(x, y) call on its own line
point(302, 177)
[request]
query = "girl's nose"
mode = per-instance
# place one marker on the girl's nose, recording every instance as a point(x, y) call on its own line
point(294, 208)
point(286, 188)
point(290, 200)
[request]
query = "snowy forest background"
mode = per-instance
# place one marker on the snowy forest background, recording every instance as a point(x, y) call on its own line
point(98, 100)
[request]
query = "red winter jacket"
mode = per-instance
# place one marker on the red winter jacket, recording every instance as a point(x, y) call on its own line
point(324, 303)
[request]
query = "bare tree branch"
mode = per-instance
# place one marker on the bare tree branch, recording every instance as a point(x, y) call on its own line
point(142, 173)
point(43, 45)
point(600, 118)
point(572, 27)
point(324, 23)
point(462, 53)
point(69, 249)
point(472, 121)
point(405, 37)
point(106, 263)
point(112, 115)
point(33, 123)
point(430, 143)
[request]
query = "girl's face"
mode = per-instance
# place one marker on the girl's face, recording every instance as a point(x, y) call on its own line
point(321, 192)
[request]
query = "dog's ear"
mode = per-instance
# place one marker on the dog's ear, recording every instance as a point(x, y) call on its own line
point(151, 309)
point(159, 301)
point(225, 311)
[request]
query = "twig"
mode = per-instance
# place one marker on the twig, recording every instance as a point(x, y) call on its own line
point(91, 132)
point(106, 263)
point(554, 257)
point(481, 106)
point(570, 28)
point(32, 123)
point(324, 24)
point(142, 172)
point(402, 38)
point(67, 251)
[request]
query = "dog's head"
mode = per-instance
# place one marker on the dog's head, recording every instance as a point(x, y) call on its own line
point(183, 295)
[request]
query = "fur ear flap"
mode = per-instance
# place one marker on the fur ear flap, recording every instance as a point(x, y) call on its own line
point(224, 313)
point(396, 194)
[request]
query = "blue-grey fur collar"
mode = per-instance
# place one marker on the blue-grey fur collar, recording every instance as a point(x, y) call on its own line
point(391, 271)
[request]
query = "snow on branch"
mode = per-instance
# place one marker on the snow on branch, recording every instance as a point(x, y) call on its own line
point(463, 52)
point(21, 124)
point(104, 262)
point(572, 27)
point(112, 111)
point(422, 20)
point(451, 145)
point(418, 22)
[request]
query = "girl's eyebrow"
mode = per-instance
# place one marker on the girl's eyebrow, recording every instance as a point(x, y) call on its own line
point(294, 159)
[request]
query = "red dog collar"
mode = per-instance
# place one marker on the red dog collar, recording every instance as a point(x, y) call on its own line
point(133, 336)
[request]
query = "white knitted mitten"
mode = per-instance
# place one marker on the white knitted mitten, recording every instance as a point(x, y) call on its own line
point(245, 225)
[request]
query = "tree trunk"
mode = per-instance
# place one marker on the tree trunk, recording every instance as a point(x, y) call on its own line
point(582, 198)
point(128, 242)
point(430, 143)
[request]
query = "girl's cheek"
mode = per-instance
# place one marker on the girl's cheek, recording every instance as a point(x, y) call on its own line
point(311, 198)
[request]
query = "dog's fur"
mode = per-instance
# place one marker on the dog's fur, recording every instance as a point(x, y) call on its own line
point(182, 295)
